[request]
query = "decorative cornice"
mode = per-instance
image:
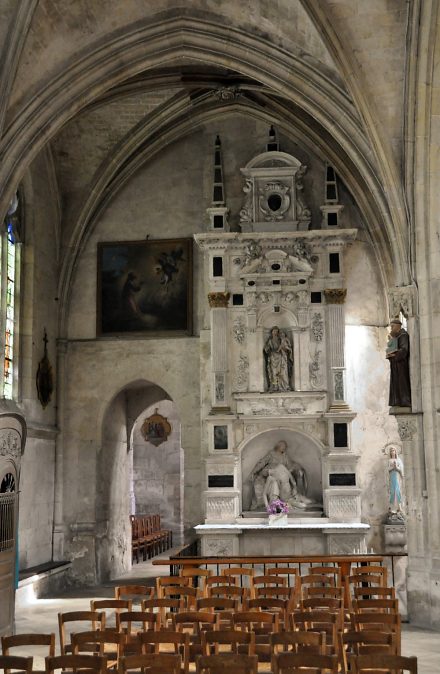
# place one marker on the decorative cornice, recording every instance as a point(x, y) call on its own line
point(218, 300)
point(335, 295)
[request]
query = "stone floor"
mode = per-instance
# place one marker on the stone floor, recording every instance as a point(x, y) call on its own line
point(40, 615)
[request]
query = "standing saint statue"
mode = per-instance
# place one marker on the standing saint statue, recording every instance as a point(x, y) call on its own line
point(398, 356)
point(278, 357)
point(395, 473)
point(277, 475)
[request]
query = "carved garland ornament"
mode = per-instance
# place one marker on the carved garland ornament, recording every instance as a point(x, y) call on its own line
point(335, 295)
point(218, 300)
point(239, 330)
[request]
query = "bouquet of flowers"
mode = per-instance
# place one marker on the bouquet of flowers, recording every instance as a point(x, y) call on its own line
point(277, 506)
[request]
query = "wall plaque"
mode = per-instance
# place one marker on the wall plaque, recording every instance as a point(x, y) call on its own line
point(220, 480)
point(342, 479)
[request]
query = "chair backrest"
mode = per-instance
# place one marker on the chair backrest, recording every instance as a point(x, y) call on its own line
point(230, 662)
point(196, 575)
point(365, 642)
point(217, 604)
point(299, 641)
point(257, 581)
point(186, 595)
point(238, 571)
point(15, 662)
point(318, 580)
point(292, 662)
point(163, 606)
point(212, 639)
point(220, 580)
point(330, 592)
point(153, 663)
point(126, 621)
point(94, 620)
point(98, 641)
point(326, 570)
point(381, 662)
point(318, 621)
point(163, 582)
point(248, 620)
point(380, 605)
point(85, 663)
point(376, 591)
point(374, 569)
point(228, 591)
point(136, 593)
point(110, 607)
point(195, 619)
point(152, 641)
point(19, 640)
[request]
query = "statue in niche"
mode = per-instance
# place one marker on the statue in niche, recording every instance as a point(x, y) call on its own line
point(397, 353)
point(278, 357)
point(395, 474)
point(277, 476)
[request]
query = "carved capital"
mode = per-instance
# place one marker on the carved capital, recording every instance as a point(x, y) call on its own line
point(403, 299)
point(335, 295)
point(218, 300)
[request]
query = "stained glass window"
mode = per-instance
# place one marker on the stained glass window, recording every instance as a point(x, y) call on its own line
point(9, 261)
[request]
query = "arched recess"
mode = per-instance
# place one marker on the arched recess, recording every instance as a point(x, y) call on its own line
point(114, 475)
point(156, 484)
point(175, 41)
point(301, 448)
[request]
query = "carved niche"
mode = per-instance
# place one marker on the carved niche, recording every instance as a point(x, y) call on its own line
point(274, 194)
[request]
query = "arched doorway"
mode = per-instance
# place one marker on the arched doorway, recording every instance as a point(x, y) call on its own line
point(114, 483)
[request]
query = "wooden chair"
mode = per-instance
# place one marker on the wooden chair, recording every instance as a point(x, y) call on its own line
point(240, 573)
point(381, 662)
point(298, 642)
point(16, 663)
point(193, 622)
point(272, 605)
point(371, 569)
point(150, 642)
point(306, 663)
point(379, 605)
point(229, 592)
point(237, 640)
point(383, 622)
point(333, 572)
point(325, 604)
point(47, 641)
point(230, 662)
point(170, 581)
point(315, 580)
point(165, 607)
point(263, 624)
point(319, 621)
point(374, 592)
point(135, 593)
point(258, 581)
point(152, 663)
point(111, 607)
point(196, 576)
point(364, 643)
point(224, 607)
point(87, 664)
point(147, 620)
point(94, 619)
point(108, 643)
point(186, 595)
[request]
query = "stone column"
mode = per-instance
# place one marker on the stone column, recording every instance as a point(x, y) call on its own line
point(218, 302)
point(335, 298)
point(58, 517)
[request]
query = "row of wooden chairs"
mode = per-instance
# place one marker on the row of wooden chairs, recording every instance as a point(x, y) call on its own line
point(147, 536)
point(169, 663)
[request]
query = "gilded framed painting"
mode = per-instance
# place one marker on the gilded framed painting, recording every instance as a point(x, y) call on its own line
point(145, 287)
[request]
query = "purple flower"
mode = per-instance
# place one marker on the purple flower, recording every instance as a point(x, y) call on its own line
point(277, 506)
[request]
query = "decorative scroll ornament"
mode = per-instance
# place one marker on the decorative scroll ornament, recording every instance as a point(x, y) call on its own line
point(314, 370)
point(317, 327)
point(10, 443)
point(274, 190)
point(407, 429)
point(335, 295)
point(218, 300)
point(239, 330)
point(246, 211)
point(228, 93)
point(44, 378)
point(156, 429)
point(241, 378)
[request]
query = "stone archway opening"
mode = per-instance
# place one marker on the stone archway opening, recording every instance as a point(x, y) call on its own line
point(126, 469)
